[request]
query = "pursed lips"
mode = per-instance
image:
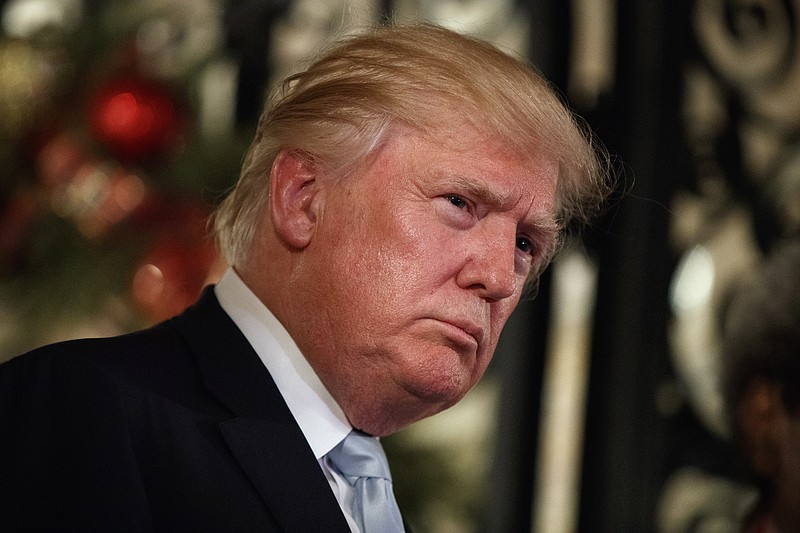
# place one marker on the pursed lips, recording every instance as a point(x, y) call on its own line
point(464, 328)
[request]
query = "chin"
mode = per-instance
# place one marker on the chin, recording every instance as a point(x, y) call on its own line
point(383, 416)
point(416, 388)
point(440, 392)
point(441, 380)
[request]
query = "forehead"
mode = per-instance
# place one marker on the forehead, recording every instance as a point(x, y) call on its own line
point(480, 164)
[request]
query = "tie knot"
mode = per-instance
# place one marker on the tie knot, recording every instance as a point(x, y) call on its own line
point(360, 456)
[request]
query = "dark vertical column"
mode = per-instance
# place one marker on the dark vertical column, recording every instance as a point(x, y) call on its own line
point(249, 29)
point(627, 440)
point(519, 361)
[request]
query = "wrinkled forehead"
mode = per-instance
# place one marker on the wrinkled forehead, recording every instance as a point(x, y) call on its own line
point(483, 166)
point(530, 157)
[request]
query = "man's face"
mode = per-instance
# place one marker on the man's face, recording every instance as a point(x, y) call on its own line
point(417, 262)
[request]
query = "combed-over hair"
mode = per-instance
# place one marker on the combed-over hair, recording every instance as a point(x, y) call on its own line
point(338, 110)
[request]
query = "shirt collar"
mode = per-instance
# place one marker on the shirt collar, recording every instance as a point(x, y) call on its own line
point(320, 418)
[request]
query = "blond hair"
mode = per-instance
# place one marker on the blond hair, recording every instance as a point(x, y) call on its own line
point(338, 110)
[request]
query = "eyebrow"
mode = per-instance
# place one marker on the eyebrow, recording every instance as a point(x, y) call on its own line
point(548, 229)
point(476, 190)
point(546, 226)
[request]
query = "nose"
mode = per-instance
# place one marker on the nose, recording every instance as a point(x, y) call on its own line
point(489, 269)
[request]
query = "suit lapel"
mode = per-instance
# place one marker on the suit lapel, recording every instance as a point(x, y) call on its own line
point(262, 435)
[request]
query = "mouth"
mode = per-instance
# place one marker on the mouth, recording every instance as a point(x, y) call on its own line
point(462, 332)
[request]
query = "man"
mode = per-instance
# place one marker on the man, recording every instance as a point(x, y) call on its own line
point(761, 350)
point(396, 200)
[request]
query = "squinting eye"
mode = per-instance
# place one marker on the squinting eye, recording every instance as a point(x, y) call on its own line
point(457, 201)
point(525, 244)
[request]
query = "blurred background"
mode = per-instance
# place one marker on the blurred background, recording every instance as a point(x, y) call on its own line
point(122, 123)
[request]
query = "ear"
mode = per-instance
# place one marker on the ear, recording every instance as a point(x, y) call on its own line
point(294, 197)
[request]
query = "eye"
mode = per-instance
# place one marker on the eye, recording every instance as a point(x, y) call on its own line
point(525, 245)
point(456, 200)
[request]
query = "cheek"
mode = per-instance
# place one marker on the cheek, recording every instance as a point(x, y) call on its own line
point(413, 250)
point(376, 276)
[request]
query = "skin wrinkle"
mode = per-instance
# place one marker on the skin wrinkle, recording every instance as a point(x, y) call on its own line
point(543, 231)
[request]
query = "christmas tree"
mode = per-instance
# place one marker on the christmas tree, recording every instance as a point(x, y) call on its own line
point(117, 137)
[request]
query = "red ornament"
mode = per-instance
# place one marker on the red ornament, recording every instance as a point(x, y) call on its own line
point(136, 119)
point(182, 260)
point(173, 274)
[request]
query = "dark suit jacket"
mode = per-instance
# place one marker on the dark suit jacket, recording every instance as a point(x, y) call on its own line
point(176, 428)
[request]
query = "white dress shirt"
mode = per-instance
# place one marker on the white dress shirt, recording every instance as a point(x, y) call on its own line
point(320, 418)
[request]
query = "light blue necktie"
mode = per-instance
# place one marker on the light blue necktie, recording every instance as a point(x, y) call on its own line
point(360, 459)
